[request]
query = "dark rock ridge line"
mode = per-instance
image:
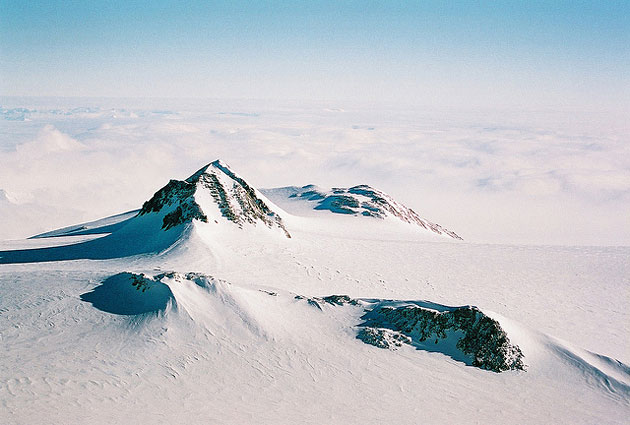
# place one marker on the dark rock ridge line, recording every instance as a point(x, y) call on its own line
point(469, 335)
point(464, 333)
point(331, 299)
point(366, 201)
point(238, 203)
point(482, 338)
point(175, 192)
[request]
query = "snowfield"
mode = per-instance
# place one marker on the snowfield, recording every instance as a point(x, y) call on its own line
point(213, 304)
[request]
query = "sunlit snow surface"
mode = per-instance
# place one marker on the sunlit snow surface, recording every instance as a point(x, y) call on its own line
point(240, 347)
point(221, 330)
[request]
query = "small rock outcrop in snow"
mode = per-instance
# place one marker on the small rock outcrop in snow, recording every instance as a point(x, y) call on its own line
point(463, 333)
point(476, 335)
point(236, 200)
point(383, 338)
point(3, 196)
point(331, 299)
point(361, 200)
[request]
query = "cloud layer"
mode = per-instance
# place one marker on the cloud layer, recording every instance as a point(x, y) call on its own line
point(509, 178)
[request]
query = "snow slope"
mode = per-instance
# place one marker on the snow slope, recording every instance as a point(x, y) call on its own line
point(214, 195)
point(102, 226)
point(362, 201)
point(233, 322)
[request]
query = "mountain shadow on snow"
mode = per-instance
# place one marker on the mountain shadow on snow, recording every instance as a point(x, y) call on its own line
point(214, 195)
point(130, 294)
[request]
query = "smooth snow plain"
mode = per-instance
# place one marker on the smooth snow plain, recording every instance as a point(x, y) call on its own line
point(239, 347)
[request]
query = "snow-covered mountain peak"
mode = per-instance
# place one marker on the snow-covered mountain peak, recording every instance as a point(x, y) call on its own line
point(214, 166)
point(214, 193)
point(362, 201)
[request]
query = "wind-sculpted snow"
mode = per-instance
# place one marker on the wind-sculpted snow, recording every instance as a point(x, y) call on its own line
point(138, 235)
point(464, 333)
point(206, 343)
point(361, 200)
point(102, 226)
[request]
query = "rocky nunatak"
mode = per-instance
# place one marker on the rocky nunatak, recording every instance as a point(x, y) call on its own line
point(478, 336)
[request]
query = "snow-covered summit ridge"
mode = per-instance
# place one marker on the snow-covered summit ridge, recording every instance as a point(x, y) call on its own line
point(214, 192)
point(361, 200)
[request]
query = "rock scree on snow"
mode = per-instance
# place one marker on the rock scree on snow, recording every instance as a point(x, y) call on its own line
point(360, 201)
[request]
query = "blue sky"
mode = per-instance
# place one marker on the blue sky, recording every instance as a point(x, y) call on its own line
point(526, 54)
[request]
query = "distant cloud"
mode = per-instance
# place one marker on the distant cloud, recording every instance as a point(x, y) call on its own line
point(49, 140)
point(525, 181)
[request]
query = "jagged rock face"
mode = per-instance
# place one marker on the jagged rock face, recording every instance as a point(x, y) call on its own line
point(383, 338)
point(464, 333)
point(235, 199)
point(483, 338)
point(366, 201)
point(181, 194)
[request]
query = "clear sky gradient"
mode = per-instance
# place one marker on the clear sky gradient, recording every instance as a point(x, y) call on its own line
point(516, 54)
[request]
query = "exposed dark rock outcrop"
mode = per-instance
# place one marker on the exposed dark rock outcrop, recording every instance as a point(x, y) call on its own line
point(237, 201)
point(478, 336)
point(464, 333)
point(178, 193)
point(361, 200)
point(331, 299)
point(383, 338)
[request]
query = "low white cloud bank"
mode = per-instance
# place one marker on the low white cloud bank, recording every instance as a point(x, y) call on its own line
point(504, 179)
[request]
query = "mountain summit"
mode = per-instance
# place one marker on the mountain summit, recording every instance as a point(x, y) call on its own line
point(213, 193)
point(207, 206)
point(361, 201)
point(174, 216)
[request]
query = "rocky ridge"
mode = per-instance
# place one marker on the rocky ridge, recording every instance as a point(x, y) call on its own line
point(476, 335)
point(236, 200)
point(361, 200)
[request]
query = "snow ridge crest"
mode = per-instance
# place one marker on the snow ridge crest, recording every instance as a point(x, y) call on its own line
point(364, 200)
point(236, 201)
